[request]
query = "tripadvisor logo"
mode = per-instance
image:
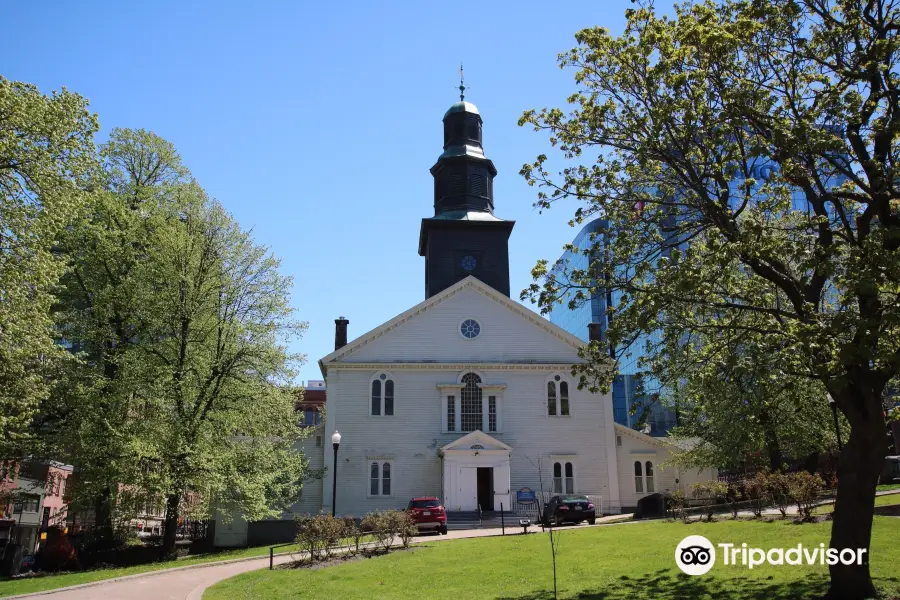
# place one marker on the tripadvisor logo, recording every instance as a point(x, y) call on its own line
point(696, 555)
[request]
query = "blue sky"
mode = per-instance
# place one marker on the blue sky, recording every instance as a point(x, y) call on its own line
point(315, 124)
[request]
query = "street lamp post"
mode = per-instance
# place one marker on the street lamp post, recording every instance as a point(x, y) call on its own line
point(335, 442)
point(837, 427)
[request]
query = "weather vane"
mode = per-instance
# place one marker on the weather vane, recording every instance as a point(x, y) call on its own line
point(462, 87)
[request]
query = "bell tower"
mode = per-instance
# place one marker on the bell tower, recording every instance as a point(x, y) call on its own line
point(464, 237)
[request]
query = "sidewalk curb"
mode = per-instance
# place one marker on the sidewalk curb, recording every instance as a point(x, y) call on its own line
point(139, 575)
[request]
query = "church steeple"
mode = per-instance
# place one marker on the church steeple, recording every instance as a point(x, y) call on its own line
point(463, 175)
point(464, 237)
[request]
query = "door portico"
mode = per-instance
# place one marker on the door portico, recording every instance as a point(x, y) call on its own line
point(472, 465)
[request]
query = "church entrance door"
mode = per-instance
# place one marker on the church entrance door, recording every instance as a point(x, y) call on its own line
point(486, 488)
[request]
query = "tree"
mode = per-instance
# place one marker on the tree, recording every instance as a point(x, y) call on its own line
point(99, 312)
point(180, 323)
point(46, 153)
point(745, 155)
point(737, 404)
point(220, 412)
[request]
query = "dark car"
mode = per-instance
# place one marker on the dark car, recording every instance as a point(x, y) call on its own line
point(569, 508)
point(428, 513)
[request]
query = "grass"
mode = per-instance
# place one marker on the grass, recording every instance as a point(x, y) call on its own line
point(26, 585)
point(889, 500)
point(618, 562)
point(888, 487)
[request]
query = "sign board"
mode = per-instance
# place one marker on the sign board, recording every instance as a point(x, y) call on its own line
point(526, 496)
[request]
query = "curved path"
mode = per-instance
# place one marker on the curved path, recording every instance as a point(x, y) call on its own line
point(189, 583)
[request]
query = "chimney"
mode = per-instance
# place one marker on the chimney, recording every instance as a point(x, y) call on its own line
point(340, 332)
point(595, 334)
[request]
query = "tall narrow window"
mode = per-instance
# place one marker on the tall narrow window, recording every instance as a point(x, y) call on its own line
point(551, 398)
point(570, 479)
point(563, 398)
point(557, 478)
point(373, 479)
point(470, 409)
point(376, 397)
point(492, 413)
point(386, 479)
point(389, 397)
point(382, 396)
point(451, 413)
point(638, 478)
point(649, 473)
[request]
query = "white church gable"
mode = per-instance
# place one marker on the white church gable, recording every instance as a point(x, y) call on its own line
point(431, 332)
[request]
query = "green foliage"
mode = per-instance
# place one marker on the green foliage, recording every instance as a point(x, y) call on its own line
point(805, 489)
point(319, 535)
point(46, 156)
point(181, 322)
point(669, 127)
point(779, 490)
point(709, 493)
point(678, 502)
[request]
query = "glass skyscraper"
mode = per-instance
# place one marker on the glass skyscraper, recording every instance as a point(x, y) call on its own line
point(633, 391)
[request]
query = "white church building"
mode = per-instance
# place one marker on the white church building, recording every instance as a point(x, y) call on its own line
point(467, 396)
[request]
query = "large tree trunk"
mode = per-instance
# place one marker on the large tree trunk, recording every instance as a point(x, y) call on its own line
point(860, 465)
point(103, 518)
point(173, 502)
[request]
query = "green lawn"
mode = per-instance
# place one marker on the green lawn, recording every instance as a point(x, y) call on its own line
point(11, 587)
point(887, 487)
point(618, 562)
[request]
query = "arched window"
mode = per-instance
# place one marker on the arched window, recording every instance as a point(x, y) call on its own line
point(557, 478)
point(638, 478)
point(389, 397)
point(470, 407)
point(570, 478)
point(373, 480)
point(557, 397)
point(376, 397)
point(382, 395)
point(386, 479)
point(380, 479)
point(649, 474)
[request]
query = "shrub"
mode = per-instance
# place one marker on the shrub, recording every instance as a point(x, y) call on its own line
point(708, 492)
point(403, 526)
point(779, 493)
point(379, 526)
point(805, 488)
point(57, 553)
point(352, 534)
point(756, 489)
point(678, 502)
point(319, 535)
point(734, 495)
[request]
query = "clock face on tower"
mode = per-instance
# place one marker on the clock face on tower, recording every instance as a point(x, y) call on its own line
point(468, 263)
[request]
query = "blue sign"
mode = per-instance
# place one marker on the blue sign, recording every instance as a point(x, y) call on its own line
point(526, 496)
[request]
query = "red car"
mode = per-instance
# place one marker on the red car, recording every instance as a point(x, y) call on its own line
point(428, 513)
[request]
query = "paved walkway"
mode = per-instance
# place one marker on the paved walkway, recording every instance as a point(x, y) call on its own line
point(189, 583)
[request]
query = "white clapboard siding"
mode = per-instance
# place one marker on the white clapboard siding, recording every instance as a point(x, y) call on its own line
point(412, 437)
point(667, 478)
point(433, 335)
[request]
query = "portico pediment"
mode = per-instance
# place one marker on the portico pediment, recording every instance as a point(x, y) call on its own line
point(478, 441)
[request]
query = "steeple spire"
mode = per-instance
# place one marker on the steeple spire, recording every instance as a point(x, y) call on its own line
point(462, 85)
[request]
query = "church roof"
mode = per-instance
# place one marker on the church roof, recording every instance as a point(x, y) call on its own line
point(462, 106)
point(468, 282)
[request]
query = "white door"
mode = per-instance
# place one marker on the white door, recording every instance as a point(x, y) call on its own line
point(468, 488)
point(501, 487)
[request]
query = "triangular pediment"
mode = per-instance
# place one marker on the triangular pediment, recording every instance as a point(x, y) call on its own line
point(429, 332)
point(477, 440)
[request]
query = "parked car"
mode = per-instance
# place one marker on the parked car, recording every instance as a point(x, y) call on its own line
point(568, 508)
point(428, 513)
